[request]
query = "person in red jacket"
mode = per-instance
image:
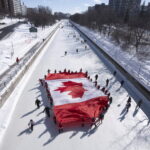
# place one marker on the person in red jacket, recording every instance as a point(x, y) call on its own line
point(17, 60)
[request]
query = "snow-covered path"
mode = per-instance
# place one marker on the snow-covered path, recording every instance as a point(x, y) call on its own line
point(119, 131)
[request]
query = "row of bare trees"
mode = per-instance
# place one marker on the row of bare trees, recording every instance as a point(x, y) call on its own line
point(129, 30)
point(41, 16)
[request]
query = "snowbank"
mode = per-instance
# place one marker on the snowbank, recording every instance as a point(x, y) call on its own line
point(140, 70)
point(18, 43)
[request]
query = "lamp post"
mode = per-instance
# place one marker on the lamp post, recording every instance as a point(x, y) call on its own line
point(12, 50)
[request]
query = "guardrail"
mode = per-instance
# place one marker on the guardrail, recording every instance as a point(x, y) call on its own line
point(134, 81)
point(9, 89)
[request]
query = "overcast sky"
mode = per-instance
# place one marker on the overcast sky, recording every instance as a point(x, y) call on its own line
point(66, 6)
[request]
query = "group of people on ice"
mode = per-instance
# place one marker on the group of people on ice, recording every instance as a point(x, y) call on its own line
point(94, 121)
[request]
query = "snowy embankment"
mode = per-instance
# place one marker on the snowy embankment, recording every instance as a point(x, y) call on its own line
point(8, 21)
point(119, 131)
point(8, 81)
point(18, 43)
point(138, 69)
point(9, 106)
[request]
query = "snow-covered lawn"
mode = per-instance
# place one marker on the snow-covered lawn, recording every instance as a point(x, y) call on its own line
point(140, 69)
point(18, 43)
point(119, 131)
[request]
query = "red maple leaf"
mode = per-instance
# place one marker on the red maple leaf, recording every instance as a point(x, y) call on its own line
point(76, 89)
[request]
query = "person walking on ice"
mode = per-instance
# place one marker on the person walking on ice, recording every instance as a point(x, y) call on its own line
point(139, 104)
point(37, 103)
point(65, 53)
point(129, 100)
point(128, 105)
point(47, 111)
point(121, 83)
point(31, 125)
point(107, 82)
point(96, 77)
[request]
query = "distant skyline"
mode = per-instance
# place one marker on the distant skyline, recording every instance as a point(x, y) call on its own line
point(67, 6)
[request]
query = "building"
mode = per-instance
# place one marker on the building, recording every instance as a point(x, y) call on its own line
point(15, 7)
point(3, 6)
point(24, 9)
point(11, 7)
point(122, 7)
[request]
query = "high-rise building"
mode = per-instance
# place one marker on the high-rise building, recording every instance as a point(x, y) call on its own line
point(121, 7)
point(12, 7)
point(24, 9)
point(3, 6)
point(15, 7)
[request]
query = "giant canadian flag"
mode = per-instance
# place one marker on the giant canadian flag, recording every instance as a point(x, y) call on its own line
point(76, 99)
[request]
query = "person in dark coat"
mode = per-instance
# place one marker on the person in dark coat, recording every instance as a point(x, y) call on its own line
point(129, 100)
point(96, 77)
point(98, 87)
point(60, 130)
point(114, 73)
point(47, 111)
point(122, 83)
point(95, 83)
point(103, 89)
point(65, 53)
point(48, 71)
point(139, 104)
point(86, 73)
point(93, 122)
point(110, 100)
point(128, 105)
point(107, 82)
point(37, 103)
point(41, 81)
point(31, 124)
point(101, 117)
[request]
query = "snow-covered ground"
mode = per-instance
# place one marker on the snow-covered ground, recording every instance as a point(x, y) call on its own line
point(18, 43)
point(119, 131)
point(140, 69)
point(8, 21)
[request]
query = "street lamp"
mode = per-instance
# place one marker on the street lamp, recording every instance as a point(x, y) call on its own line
point(12, 50)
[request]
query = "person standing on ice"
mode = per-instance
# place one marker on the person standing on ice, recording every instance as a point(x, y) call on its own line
point(101, 117)
point(31, 124)
point(129, 100)
point(122, 83)
point(60, 128)
point(139, 104)
point(96, 77)
point(93, 122)
point(47, 111)
point(110, 100)
point(65, 53)
point(114, 73)
point(17, 60)
point(37, 103)
point(48, 71)
point(128, 105)
point(107, 82)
